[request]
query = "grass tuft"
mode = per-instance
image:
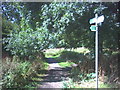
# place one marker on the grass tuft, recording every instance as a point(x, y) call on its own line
point(66, 64)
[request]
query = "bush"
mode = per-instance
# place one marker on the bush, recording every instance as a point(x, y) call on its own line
point(27, 43)
point(53, 52)
point(69, 84)
point(7, 28)
point(83, 77)
point(17, 74)
point(72, 56)
point(85, 63)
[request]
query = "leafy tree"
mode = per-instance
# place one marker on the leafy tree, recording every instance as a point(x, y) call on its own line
point(14, 11)
point(7, 27)
point(35, 12)
point(26, 42)
point(11, 12)
point(68, 24)
point(58, 18)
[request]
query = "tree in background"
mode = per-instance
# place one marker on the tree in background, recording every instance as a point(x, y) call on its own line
point(25, 41)
point(12, 12)
point(58, 18)
point(68, 23)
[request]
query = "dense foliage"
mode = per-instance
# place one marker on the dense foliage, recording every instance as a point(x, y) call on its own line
point(24, 41)
point(66, 18)
point(70, 24)
point(72, 56)
point(27, 43)
point(18, 74)
point(59, 24)
point(7, 27)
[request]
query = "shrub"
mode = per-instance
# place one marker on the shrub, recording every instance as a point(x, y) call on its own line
point(85, 63)
point(27, 43)
point(82, 77)
point(14, 73)
point(72, 56)
point(17, 74)
point(69, 84)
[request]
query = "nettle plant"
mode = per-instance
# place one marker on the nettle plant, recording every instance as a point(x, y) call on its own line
point(27, 43)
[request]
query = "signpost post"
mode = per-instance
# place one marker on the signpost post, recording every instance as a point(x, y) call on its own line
point(96, 51)
point(96, 20)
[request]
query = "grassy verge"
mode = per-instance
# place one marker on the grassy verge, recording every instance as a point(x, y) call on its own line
point(56, 52)
point(41, 72)
point(53, 53)
point(88, 84)
point(19, 73)
point(45, 66)
point(52, 56)
point(91, 84)
point(66, 64)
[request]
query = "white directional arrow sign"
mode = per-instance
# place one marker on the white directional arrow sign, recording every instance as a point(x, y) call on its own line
point(97, 20)
point(100, 19)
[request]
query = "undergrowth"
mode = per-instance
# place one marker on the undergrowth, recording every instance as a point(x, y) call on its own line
point(18, 73)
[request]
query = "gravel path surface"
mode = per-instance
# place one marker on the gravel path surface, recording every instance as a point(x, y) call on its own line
point(56, 74)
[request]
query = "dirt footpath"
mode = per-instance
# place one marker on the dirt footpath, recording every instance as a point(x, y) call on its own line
point(56, 75)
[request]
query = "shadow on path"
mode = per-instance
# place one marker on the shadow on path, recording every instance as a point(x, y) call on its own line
point(52, 60)
point(56, 74)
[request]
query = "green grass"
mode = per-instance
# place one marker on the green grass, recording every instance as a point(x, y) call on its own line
point(65, 64)
point(108, 85)
point(52, 56)
point(104, 86)
point(81, 50)
point(89, 84)
point(53, 53)
point(37, 79)
point(46, 65)
point(40, 74)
